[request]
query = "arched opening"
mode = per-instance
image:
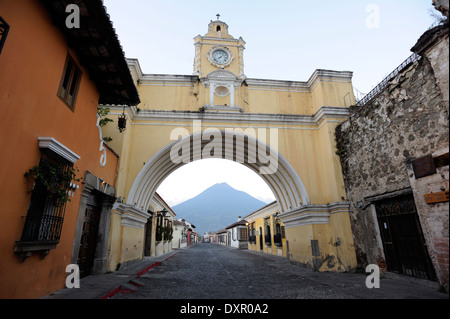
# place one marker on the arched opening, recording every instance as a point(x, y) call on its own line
point(192, 179)
point(247, 150)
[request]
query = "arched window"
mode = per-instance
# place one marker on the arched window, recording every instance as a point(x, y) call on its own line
point(218, 28)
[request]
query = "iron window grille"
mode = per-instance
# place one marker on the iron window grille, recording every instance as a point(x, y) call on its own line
point(268, 240)
point(277, 237)
point(242, 235)
point(4, 28)
point(45, 216)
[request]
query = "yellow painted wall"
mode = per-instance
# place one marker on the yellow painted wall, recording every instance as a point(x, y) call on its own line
point(132, 244)
point(115, 240)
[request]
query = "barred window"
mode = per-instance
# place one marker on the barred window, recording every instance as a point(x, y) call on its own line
point(45, 214)
point(243, 235)
point(53, 180)
point(4, 28)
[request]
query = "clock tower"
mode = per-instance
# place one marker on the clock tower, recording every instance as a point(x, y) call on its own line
point(219, 63)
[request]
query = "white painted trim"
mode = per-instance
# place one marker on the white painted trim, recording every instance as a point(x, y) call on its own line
point(130, 215)
point(313, 214)
point(132, 221)
point(254, 84)
point(324, 113)
point(300, 86)
point(58, 148)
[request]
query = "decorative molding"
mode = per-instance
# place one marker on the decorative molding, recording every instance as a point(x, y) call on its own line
point(313, 214)
point(130, 215)
point(56, 147)
point(197, 59)
point(324, 113)
point(132, 221)
point(241, 63)
point(221, 90)
point(254, 84)
point(225, 108)
point(301, 86)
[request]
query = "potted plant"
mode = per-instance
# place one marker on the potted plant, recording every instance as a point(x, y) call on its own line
point(56, 179)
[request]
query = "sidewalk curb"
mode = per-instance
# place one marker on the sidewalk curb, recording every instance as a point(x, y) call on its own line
point(123, 288)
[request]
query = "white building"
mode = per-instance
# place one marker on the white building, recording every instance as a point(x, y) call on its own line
point(179, 234)
point(238, 234)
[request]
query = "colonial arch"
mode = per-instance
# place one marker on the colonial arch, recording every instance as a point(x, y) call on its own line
point(284, 181)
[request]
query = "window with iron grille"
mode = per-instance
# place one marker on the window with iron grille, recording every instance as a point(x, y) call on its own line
point(277, 237)
point(4, 28)
point(45, 214)
point(243, 234)
point(70, 82)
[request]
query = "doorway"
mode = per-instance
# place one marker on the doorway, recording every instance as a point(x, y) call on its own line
point(404, 244)
point(88, 242)
point(148, 237)
point(260, 239)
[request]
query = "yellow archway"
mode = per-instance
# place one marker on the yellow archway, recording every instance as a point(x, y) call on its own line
point(284, 181)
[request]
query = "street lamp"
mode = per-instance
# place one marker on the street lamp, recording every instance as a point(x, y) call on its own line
point(164, 212)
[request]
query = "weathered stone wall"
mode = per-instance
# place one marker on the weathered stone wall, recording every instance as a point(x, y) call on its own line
point(407, 120)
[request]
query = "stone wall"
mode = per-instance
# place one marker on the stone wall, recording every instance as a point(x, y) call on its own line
point(380, 140)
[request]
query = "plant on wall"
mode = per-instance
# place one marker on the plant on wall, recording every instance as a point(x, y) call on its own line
point(102, 112)
point(165, 233)
point(159, 233)
point(168, 233)
point(56, 179)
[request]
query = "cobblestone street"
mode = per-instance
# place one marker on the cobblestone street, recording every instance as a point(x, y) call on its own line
point(208, 271)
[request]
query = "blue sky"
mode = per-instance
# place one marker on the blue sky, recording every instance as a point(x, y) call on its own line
point(286, 40)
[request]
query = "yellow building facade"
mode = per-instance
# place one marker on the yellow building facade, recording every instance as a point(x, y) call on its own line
point(283, 130)
point(267, 231)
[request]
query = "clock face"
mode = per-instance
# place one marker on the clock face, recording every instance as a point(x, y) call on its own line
point(220, 56)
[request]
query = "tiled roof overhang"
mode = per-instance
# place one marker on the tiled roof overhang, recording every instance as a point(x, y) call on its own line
point(98, 48)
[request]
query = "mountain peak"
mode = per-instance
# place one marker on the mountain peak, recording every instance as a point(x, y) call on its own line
point(217, 207)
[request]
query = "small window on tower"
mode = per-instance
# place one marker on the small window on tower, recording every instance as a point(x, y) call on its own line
point(218, 28)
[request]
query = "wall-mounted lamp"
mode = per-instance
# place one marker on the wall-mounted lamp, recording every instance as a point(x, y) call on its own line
point(164, 212)
point(122, 121)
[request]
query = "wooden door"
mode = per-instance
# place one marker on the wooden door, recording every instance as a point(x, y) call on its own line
point(88, 243)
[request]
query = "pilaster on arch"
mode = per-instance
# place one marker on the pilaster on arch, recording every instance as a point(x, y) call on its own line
point(285, 183)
